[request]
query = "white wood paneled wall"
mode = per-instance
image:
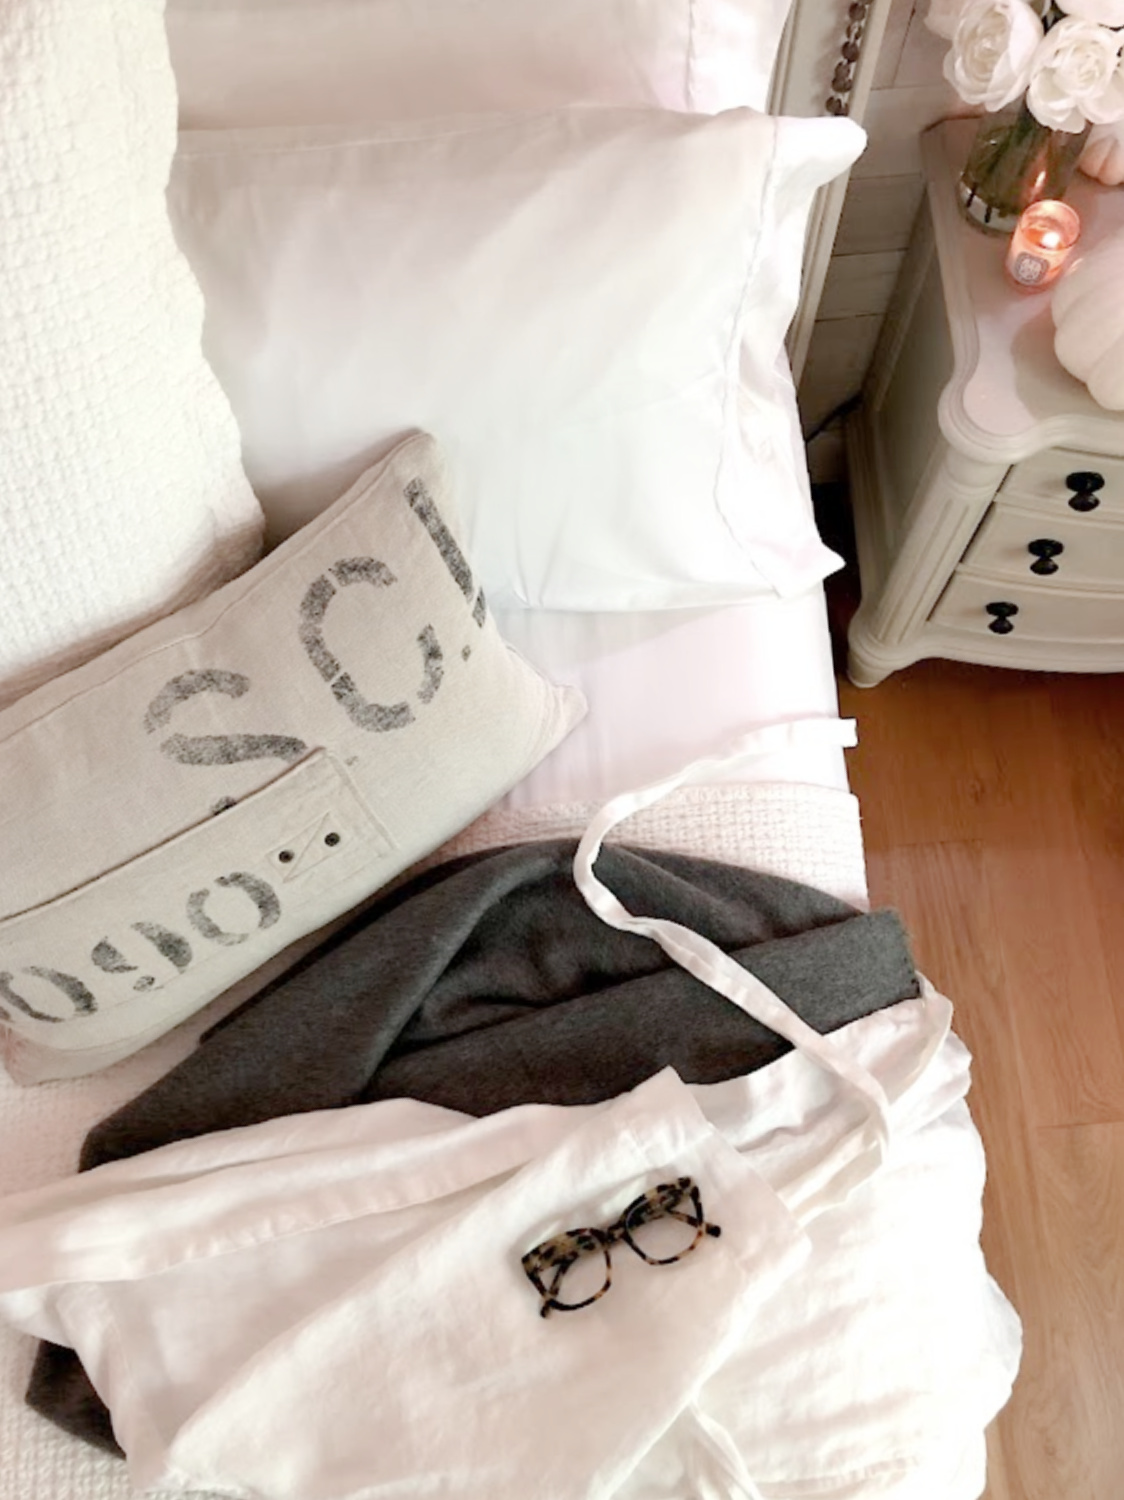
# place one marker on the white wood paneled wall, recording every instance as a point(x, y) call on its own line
point(883, 196)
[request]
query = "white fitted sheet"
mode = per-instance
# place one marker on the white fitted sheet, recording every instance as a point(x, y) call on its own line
point(667, 687)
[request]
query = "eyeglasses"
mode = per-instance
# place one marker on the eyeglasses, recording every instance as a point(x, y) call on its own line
point(661, 1226)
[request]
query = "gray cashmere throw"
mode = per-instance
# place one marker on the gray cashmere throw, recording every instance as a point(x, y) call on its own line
point(486, 983)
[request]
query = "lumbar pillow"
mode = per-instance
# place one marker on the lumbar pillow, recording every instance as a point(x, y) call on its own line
point(586, 307)
point(122, 494)
point(231, 778)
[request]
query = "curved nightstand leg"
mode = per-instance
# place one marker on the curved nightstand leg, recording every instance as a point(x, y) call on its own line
point(869, 660)
point(860, 674)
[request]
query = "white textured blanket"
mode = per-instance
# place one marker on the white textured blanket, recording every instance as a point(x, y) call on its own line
point(122, 494)
point(805, 833)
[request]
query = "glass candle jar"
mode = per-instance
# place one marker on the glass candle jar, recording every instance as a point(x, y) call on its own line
point(1041, 244)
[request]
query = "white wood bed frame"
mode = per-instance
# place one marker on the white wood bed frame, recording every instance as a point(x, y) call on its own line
point(826, 65)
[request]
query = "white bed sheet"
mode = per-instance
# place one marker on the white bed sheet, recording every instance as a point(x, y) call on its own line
point(668, 687)
point(663, 689)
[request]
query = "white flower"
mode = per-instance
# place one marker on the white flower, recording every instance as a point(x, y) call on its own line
point(992, 50)
point(943, 16)
point(990, 58)
point(1077, 77)
point(1107, 12)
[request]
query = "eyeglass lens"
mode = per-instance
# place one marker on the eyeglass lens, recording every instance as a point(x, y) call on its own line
point(661, 1234)
point(583, 1278)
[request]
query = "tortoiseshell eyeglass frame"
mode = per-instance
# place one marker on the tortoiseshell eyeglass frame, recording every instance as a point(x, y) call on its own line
point(554, 1257)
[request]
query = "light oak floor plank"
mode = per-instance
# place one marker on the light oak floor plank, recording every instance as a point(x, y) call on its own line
point(942, 893)
point(952, 753)
point(1075, 1400)
point(993, 810)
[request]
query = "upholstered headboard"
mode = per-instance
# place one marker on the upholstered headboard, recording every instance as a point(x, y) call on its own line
point(826, 64)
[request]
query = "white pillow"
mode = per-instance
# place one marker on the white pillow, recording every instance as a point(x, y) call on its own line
point(585, 306)
point(332, 62)
point(121, 488)
point(181, 809)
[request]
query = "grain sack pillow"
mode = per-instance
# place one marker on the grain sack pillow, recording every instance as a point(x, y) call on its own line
point(233, 777)
point(122, 494)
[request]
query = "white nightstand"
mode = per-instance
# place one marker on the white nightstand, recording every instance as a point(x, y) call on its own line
point(987, 484)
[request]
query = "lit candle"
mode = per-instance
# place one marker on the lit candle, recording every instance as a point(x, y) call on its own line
point(1043, 238)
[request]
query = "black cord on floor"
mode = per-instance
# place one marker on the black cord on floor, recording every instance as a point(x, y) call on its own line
point(844, 409)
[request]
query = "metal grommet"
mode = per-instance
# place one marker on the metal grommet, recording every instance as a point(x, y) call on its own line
point(331, 839)
point(286, 856)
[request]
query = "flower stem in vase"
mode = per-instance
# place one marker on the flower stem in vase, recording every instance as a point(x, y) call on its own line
point(1015, 161)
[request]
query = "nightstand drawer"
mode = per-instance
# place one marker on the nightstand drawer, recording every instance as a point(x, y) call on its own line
point(1041, 612)
point(1057, 550)
point(1066, 483)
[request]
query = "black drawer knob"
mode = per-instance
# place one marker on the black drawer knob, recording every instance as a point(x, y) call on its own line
point(1002, 612)
point(1044, 550)
point(1084, 485)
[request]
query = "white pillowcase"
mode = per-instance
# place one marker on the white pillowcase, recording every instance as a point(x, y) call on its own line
point(586, 307)
point(331, 62)
point(122, 494)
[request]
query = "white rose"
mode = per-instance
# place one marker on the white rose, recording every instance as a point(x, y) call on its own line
point(991, 54)
point(1077, 77)
point(943, 16)
point(1107, 12)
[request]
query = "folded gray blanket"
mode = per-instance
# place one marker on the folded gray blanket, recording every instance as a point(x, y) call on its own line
point(487, 983)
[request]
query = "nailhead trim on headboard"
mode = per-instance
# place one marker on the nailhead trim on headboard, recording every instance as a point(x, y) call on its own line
point(839, 100)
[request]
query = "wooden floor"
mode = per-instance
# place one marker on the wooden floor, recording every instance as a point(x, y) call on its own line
point(993, 811)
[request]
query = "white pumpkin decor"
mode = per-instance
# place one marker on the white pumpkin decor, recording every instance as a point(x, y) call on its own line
point(1103, 156)
point(1088, 309)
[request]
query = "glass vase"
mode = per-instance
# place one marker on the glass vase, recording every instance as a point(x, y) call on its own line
point(1014, 162)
